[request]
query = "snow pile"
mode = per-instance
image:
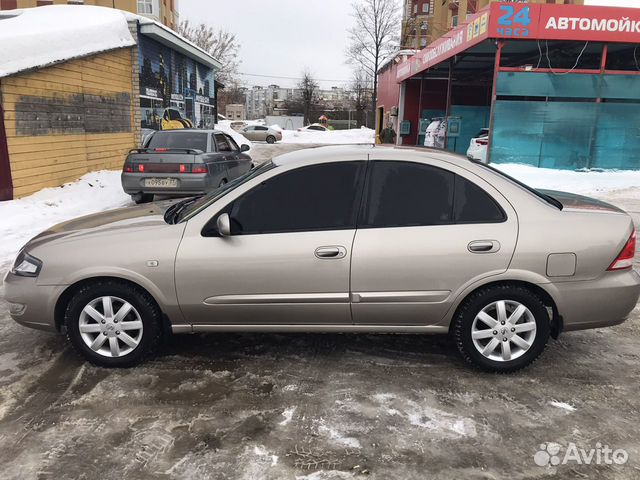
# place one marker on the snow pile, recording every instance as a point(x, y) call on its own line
point(22, 219)
point(581, 182)
point(36, 37)
point(334, 137)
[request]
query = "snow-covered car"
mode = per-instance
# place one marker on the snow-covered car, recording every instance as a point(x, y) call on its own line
point(478, 146)
point(314, 127)
point(434, 134)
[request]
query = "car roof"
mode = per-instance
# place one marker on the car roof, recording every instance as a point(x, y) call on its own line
point(190, 130)
point(310, 156)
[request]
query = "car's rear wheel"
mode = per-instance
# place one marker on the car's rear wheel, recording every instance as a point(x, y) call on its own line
point(223, 182)
point(140, 198)
point(113, 324)
point(502, 328)
point(271, 139)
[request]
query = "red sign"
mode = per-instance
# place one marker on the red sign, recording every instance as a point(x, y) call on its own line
point(564, 22)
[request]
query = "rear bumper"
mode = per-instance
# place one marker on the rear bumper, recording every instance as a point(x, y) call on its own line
point(193, 183)
point(603, 302)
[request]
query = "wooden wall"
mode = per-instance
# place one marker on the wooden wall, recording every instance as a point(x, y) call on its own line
point(69, 119)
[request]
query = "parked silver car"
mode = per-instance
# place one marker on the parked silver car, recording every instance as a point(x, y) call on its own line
point(349, 239)
point(259, 133)
point(183, 162)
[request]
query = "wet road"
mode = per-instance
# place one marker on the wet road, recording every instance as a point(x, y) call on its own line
point(266, 406)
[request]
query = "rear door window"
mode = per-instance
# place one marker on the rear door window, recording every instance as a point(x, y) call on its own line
point(179, 140)
point(222, 142)
point(406, 194)
point(474, 205)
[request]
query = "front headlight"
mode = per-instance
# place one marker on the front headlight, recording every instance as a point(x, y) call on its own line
point(26, 265)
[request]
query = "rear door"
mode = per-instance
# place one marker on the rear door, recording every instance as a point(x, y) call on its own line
point(425, 233)
point(242, 161)
point(226, 155)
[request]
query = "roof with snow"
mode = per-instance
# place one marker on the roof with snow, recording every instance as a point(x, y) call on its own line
point(37, 37)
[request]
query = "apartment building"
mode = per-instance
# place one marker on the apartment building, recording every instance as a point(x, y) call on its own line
point(424, 21)
point(163, 11)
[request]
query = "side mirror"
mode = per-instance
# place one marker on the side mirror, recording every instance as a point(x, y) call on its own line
point(244, 147)
point(224, 225)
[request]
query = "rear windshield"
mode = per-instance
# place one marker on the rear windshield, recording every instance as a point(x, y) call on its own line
point(179, 140)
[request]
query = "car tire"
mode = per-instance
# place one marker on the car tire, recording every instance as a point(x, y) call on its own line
point(223, 182)
point(271, 139)
point(501, 347)
point(141, 198)
point(111, 340)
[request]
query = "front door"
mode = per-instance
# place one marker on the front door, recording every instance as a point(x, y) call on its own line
point(288, 258)
point(425, 234)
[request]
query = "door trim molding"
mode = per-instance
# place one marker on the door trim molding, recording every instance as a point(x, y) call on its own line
point(419, 329)
point(277, 298)
point(426, 296)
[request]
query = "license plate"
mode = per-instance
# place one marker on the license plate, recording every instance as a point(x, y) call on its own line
point(161, 182)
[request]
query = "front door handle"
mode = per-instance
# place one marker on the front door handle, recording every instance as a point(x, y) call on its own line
point(484, 246)
point(333, 251)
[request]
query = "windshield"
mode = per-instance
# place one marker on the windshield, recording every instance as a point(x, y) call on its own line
point(206, 200)
point(547, 198)
point(179, 140)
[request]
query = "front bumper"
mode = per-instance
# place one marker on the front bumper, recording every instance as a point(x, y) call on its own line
point(603, 302)
point(30, 304)
point(188, 184)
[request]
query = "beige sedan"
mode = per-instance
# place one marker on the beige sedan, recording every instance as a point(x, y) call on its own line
point(348, 239)
point(259, 133)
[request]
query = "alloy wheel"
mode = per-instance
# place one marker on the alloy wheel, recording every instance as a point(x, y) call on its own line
point(110, 326)
point(503, 330)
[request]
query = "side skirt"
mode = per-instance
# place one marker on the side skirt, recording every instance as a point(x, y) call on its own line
point(423, 329)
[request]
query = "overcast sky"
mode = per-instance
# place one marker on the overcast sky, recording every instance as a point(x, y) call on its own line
point(283, 37)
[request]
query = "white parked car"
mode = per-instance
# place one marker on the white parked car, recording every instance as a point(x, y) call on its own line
point(314, 127)
point(478, 146)
point(435, 133)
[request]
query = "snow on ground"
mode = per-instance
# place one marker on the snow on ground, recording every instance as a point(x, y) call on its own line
point(35, 37)
point(563, 405)
point(334, 137)
point(582, 182)
point(22, 219)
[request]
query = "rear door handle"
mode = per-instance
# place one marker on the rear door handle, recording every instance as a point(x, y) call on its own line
point(328, 252)
point(484, 246)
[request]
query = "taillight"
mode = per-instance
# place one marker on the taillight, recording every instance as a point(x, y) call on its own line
point(625, 259)
point(482, 141)
point(183, 168)
point(141, 168)
point(128, 168)
point(199, 168)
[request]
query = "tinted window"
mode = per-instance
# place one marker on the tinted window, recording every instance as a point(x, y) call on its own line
point(319, 197)
point(402, 194)
point(262, 129)
point(474, 205)
point(223, 144)
point(179, 140)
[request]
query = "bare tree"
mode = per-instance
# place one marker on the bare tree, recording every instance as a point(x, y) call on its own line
point(308, 88)
point(220, 44)
point(374, 36)
point(360, 87)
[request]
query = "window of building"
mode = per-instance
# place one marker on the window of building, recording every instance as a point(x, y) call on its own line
point(42, 3)
point(145, 7)
point(425, 8)
point(299, 201)
point(75, 2)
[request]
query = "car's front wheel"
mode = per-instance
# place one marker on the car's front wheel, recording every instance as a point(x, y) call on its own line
point(113, 324)
point(502, 328)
